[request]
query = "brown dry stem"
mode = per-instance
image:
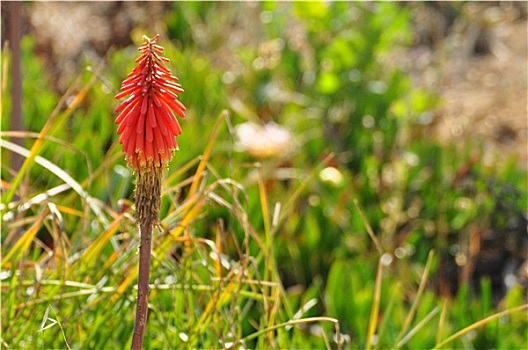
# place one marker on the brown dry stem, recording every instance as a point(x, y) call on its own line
point(148, 199)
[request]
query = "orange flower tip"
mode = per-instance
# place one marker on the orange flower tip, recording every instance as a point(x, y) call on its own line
point(150, 40)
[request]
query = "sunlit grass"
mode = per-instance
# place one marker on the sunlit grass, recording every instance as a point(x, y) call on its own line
point(207, 295)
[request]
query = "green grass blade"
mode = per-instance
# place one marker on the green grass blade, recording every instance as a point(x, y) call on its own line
point(417, 299)
point(480, 324)
point(47, 129)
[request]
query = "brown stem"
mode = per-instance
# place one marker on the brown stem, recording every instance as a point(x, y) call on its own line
point(143, 286)
point(14, 20)
point(148, 198)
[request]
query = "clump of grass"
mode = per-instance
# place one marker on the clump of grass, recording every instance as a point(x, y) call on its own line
point(210, 294)
point(206, 292)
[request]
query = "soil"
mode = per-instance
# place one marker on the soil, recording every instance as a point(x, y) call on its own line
point(485, 97)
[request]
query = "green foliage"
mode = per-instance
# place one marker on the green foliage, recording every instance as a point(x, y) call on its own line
point(257, 252)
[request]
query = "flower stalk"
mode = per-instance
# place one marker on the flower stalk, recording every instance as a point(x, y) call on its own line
point(148, 128)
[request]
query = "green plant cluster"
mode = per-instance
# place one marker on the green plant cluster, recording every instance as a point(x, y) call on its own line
point(259, 252)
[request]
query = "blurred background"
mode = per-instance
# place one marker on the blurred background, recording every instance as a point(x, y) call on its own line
point(414, 114)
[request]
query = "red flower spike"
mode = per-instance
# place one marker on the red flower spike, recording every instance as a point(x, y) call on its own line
point(148, 128)
point(147, 118)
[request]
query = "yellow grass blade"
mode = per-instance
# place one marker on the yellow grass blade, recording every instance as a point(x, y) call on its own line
point(6, 60)
point(207, 153)
point(441, 322)
point(23, 243)
point(375, 306)
point(123, 287)
point(69, 211)
point(265, 208)
point(368, 227)
point(178, 230)
point(217, 301)
point(90, 255)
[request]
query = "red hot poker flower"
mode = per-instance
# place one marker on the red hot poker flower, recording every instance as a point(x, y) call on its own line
point(148, 129)
point(148, 126)
point(147, 122)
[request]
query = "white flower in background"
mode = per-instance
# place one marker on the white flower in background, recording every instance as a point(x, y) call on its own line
point(332, 176)
point(264, 141)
